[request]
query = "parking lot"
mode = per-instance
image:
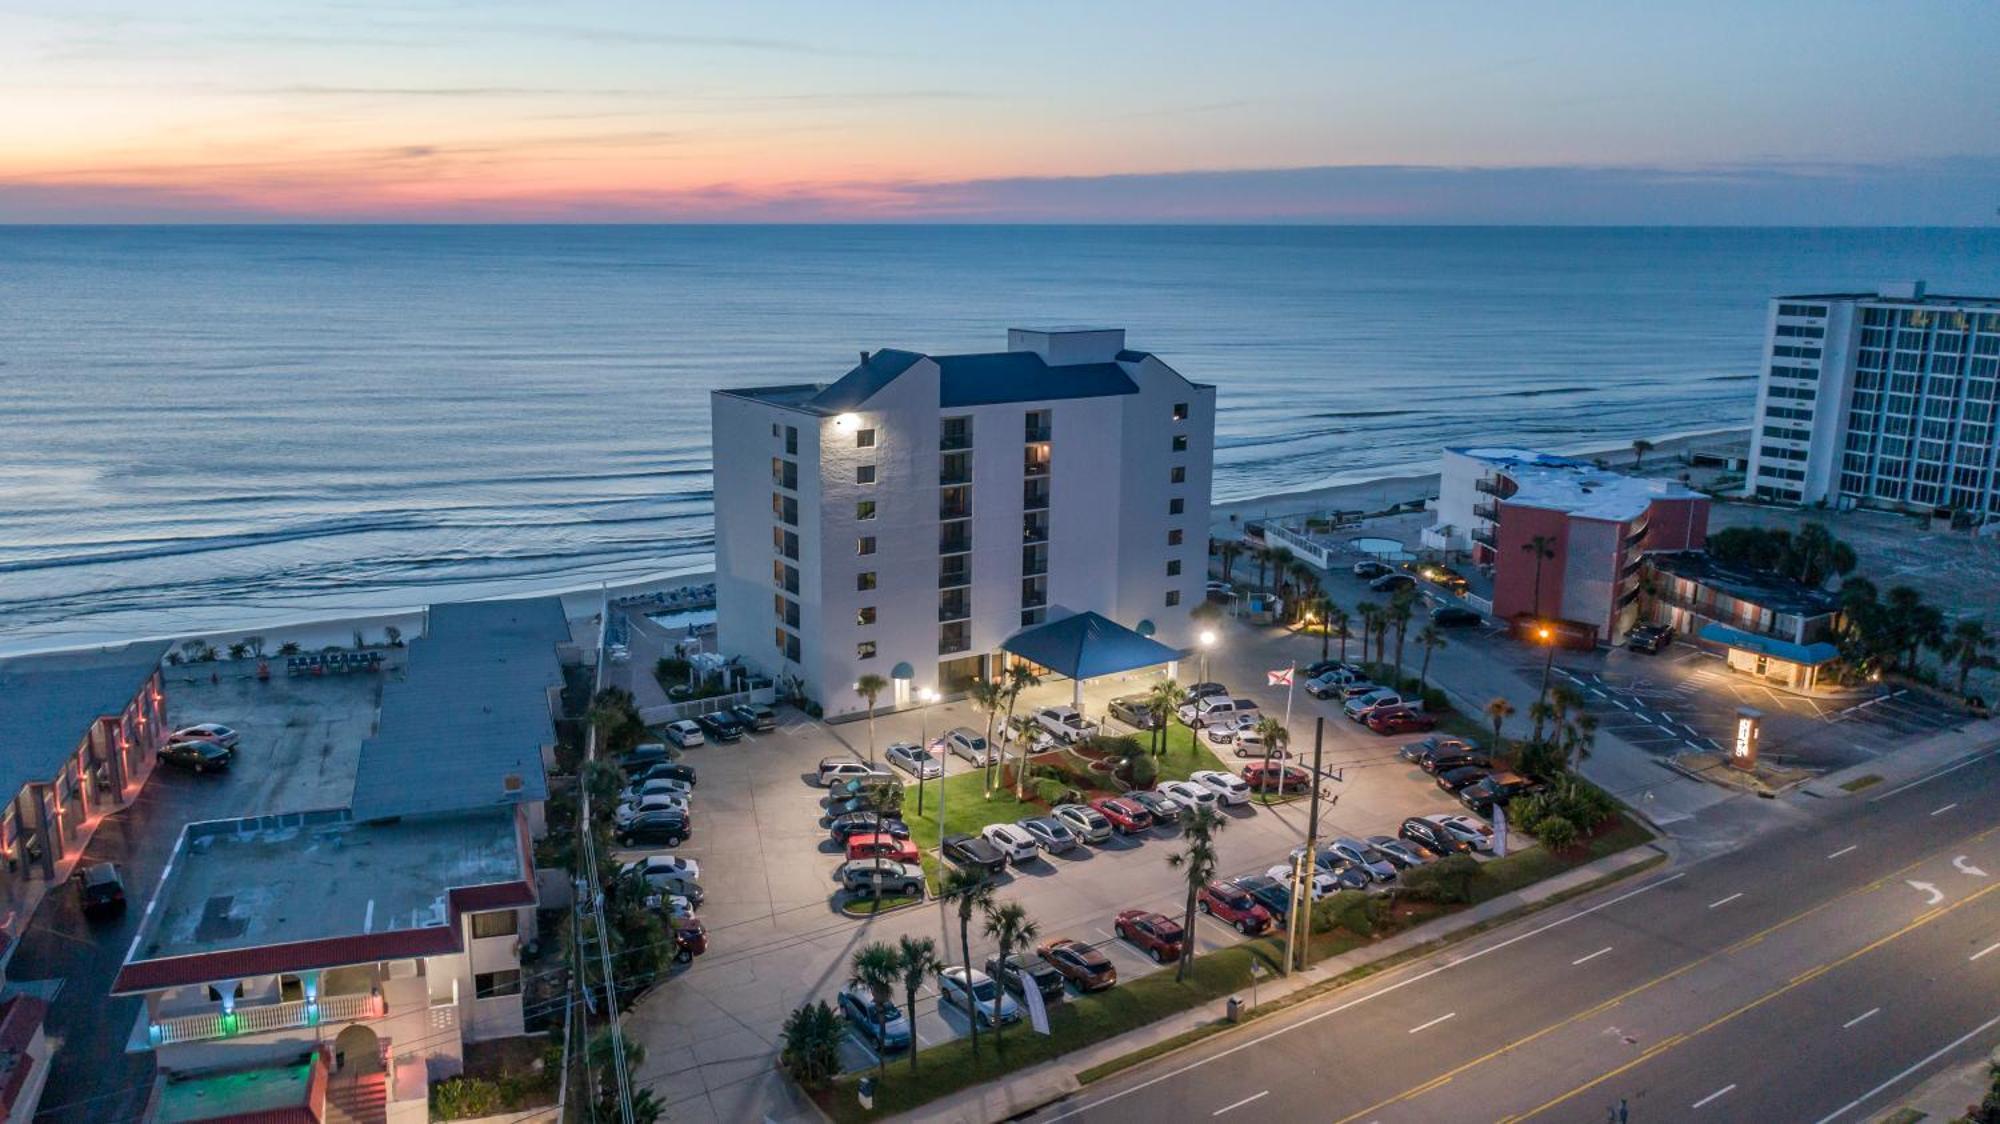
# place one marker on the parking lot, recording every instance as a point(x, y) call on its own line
point(776, 938)
point(301, 740)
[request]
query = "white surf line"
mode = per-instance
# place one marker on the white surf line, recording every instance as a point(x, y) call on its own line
point(1241, 1103)
point(1860, 1018)
point(1984, 951)
point(1727, 900)
point(1844, 850)
point(1358, 1000)
point(1592, 956)
point(1946, 808)
point(1712, 1096)
point(1433, 1022)
point(1947, 1048)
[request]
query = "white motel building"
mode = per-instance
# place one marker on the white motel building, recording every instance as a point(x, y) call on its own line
point(922, 514)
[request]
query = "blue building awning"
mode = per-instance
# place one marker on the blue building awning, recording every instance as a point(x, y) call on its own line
point(1808, 655)
point(1086, 645)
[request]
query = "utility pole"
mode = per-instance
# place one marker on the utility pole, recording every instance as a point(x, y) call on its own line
point(595, 885)
point(1298, 924)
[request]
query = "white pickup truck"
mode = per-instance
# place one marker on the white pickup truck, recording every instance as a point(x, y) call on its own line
point(1066, 723)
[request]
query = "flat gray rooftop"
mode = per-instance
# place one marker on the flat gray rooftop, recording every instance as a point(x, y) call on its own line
point(282, 879)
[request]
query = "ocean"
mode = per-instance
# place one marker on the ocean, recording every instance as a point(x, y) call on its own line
point(210, 428)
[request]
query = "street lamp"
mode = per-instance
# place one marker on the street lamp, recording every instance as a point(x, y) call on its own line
point(925, 697)
point(1207, 639)
point(1548, 639)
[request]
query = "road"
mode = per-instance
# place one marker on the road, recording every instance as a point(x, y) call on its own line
point(1809, 976)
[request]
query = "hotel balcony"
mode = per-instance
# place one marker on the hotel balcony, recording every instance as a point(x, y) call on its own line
point(396, 998)
point(1035, 495)
point(1487, 511)
point(1038, 433)
point(1490, 486)
point(1486, 538)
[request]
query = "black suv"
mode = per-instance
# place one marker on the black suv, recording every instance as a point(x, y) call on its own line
point(670, 771)
point(1652, 639)
point(1047, 980)
point(101, 889)
point(755, 716)
point(1497, 789)
point(866, 823)
point(644, 757)
point(969, 852)
point(1133, 711)
point(1432, 838)
point(721, 726)
point(196, 756)
point(667, 827)
point(1445, 760)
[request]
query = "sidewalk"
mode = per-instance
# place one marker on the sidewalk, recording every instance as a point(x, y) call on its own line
point(1921, 759)
point(1032, 1088)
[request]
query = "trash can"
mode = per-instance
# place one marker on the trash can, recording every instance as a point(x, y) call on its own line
point(1234, 1011)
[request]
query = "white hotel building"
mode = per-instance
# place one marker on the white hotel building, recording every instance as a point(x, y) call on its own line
point(918, 513)
point(1879, 399)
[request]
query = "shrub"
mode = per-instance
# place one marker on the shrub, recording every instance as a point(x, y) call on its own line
point(811, 1039)
point(458, 1098)
point(1051, 791)
point(1555, 832)
point(1540, 760)
point(288, 648)
point(238, 650)
point(1447, 881)
point(1356, 911)
point(1140, 771)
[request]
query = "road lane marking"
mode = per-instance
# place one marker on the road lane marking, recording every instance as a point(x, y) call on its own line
point(1974, 759)
point(1946, 808)
point(1727, 900)
point(1712, 1096)
point(1433, 1022)
point(1860, 1018)
point(1844, 850)
point(1241, 1103)
point(1932, 893)
point(1857, 1102)
point(1963, 864)
point(1592, 956)
point(1983, 951)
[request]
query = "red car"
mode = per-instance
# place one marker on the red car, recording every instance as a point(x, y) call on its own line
point(1126, 816)
point(1226, 901)
point(1284, 778)
point(886, 847)
point(690, 940)
point(1155, 933)
point(1401, 720)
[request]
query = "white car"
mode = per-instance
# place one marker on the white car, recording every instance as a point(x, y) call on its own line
point(1361, 706)
point(1331, 683)
point(1467, 829)
point(1223, 734)
point(971, 745)
point(1323, 882)
point(1250, 743)
point(658, 802)
point(684, 733)
point(1011, 840)
point(1228, 788)
point(973, 991)
point(1360, 854)
point(207, 732)
point(658, 786)
point(1186, 795)
point(1066, 724)
point(663, 865)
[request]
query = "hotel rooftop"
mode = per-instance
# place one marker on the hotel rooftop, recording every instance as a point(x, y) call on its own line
point(1577, 487)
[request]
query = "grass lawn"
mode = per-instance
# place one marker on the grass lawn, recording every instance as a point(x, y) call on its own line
point(1185, 754)
point(869, 907)
point(966, 807)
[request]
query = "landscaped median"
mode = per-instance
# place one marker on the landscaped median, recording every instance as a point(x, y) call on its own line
point(1342, 923)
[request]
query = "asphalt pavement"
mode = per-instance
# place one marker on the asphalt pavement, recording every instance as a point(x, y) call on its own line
point(1810, 975)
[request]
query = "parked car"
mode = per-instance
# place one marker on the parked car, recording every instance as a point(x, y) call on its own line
point(1272, 891)
point(1228, 787)
point(1432, 837)
point(1400, 720)
point(1155, 934)
point(1451, 780)
point(1321, 880)
point(1020, 971)
point(100, 890)
point(914, 760)
point(644, 757)
point(852, 824)
point(1357, 852)
point(833, 770)
point(1224, 734)
point(1164, 809)
point(1186, 795)
point(1495, 790)
point(684, 733)
point(690, 941)
point(719, 727)
point(883, 845)
point(1084, 821)
point(1049, 833)
point(974, 992)
point(657, 802)
point(1331, 684)
point(884, 1025)
point(1135, 711)
point(969, 852)
point(755, 716)
point(1066, 724)
point(1355, 688)
point(1011, 840)
point(1476, 835)
point(1318, 668)
point(1082, 965)
point(670, 883)
point(197, 756)
point(640, 789)
point(667, 771)
point(1249, 742)
point(1261, 775)
point(880, 878)
point(1390, 583)
point(1219, 591)
point(1215, 708)
point(1340, 874)
point(1449, 758)
point(1125, 814)
point(1199, 691)
point(838, 806)
point(207, 731)
point(664, 865)
point(1233, 905)
point(1436, 744)
point(667, 827)
point(1652, 639)
point(1369, 569)
point(1396, 851)
point(1455, 616)
point(1360, 707)
point(971, 745)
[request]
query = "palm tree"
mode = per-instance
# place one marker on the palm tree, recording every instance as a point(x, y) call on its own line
point(1543, 547)
point(986, 697)
point(1022, 730)
point(1280, 558)
point(876, 968)
point(1914, 623)
point(1019, 677)
point(1010, 929)
point(1337, 620)
point(1230, 550)
point(1639, 450)
point(1498, 710)
point(1578, 739)
point(917, 961)
point(1197, 864)
point(971, 894)
point(1263, 556)
point(1430, 640)
point(1967, 646)
point(1274, 736)
point(1370, 614)
point(1401, 606)
point(870, 687)
point(1162, 701)
point(1305, 583)
point(1540, 711)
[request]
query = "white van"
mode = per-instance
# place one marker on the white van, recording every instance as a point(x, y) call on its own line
point(1216, 708)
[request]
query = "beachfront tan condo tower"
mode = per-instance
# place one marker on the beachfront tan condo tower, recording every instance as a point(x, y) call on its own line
point(922, 511)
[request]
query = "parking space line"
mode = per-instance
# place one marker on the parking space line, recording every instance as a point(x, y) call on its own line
point(1727, 900)
point(1592, 956)
point(1241, 1103)
point(1433, 1022)
point(1984, 951)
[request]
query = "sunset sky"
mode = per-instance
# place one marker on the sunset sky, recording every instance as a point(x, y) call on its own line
point(759, 111)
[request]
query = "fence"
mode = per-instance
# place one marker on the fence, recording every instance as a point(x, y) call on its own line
point(1319, 552)
point(674, 712)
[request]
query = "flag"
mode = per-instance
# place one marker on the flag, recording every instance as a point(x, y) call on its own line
point(1280, 678)
point(1038, 1011)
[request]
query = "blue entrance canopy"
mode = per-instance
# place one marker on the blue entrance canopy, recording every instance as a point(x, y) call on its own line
point(1087, 645)
point(1810, 655)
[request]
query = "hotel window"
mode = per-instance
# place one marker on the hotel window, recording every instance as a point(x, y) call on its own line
point(865, 650)
point(1180, 474)
point(791, 441)
point(864, 474)
point(865, 615)
point(864, 439)
point(1180, 442)
point(864, 581)
point(864, 509)
point(1176, 506)
point(866, 545)
point(1174, 568)
point(490, 985)
point(1180, 411)
point(1173, 597)
point(502, 924)
point(1174, 537)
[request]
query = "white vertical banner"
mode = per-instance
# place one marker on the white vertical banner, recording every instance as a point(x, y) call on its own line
point(1038, 1011)
point(1499, 831)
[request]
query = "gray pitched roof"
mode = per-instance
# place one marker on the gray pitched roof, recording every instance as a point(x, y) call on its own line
point(466, 725)
point(861, 383)
point(979, 380)
point(47, 703)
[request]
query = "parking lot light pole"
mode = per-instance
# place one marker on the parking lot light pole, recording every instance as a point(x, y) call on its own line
point(1207, 639)
point(1299, 920)
point(925, 697)
point(1548, 639)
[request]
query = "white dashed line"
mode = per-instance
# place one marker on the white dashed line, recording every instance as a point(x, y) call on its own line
point(1592, 956)
point(1712, 1096)
point(1727, 900)
point(1943, 810)
point(1241, 1103)
point(1860, 1018)
point(1433, 1022)
point(1983, 951)
point(1844, 850)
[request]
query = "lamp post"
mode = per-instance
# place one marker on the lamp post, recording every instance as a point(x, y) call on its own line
point(1548, 638)
point(1207, 639)
point(925, 697)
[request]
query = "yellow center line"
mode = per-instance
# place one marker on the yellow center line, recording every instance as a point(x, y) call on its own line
point(1622, 996)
